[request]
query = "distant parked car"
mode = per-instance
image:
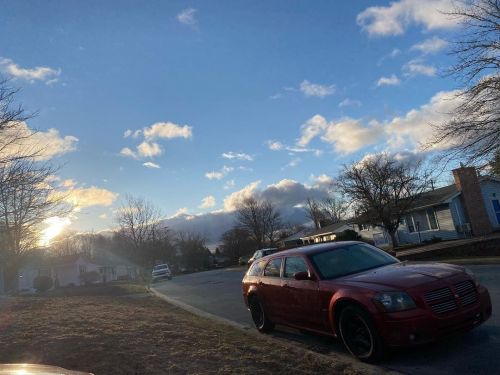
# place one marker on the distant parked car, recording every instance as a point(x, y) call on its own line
point(261, 253)
point(161, 271)
point(243, 260)
point(363, 295)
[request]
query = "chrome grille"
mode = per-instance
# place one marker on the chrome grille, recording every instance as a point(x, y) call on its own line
point(436, 295)
point(441, 300)
point(444, 307)
point(466, 292)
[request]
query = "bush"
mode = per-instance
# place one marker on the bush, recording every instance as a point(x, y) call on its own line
point(42, 283)
point(348, 235)
point(89, 278)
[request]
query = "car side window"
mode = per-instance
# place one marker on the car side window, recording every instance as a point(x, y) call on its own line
point(257, 255)
point(256, 269)
point(294, 265)
point(273, 268)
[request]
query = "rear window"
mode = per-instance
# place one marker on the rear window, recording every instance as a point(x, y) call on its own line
point(273, 268)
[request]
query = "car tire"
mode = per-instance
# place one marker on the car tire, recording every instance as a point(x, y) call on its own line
point(360, 335)
point(259, 316)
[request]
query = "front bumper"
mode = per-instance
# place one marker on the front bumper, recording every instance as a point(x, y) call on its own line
point(421, 325)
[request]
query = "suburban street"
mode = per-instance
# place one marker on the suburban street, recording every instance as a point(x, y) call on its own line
point(219, 292)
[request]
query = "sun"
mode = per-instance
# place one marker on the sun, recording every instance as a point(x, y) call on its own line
point(55, 225)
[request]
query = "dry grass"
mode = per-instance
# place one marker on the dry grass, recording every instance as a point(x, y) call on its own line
point(139, 334)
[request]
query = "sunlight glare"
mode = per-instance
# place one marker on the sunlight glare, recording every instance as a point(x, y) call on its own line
point(55, 225)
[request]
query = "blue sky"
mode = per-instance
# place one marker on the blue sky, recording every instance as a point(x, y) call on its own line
point(290, 89)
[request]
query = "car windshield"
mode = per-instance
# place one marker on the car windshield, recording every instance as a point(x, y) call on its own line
point(160, 267)
point(350, 259)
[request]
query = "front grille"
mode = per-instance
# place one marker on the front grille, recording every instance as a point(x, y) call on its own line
point(441, 301)
point(439, 294)
point(466, 292)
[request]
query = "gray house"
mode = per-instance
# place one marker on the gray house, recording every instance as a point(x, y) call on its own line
point(469, 207)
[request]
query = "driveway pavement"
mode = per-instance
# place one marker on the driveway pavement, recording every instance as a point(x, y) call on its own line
point(478, 352)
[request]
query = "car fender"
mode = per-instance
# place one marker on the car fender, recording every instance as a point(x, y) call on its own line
point(341, 297)
point(252, 291)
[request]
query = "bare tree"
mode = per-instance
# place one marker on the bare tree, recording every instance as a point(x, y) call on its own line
point(334, 208)
point(474, 129)
point(314, 212)
point(26, 200)
point(261, 219)
point(236, 242)
point(139, 222)
point(382, 190)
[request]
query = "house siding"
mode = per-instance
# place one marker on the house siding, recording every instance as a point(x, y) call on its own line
point(491, 190)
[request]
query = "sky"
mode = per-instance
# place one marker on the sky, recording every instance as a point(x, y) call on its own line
point(194, 105)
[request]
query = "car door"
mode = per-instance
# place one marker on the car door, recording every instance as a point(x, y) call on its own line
point(270, 289)
point(302, 296)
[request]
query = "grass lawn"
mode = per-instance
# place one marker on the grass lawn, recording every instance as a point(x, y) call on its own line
point(122, 330)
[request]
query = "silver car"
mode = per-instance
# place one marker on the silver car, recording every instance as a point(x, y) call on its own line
point(161, 271)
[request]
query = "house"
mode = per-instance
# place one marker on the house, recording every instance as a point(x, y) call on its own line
point(68, 270)
point(469, 207)
point(325, 234)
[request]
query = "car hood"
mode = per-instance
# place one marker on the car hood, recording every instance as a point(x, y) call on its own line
point(32, 369)
point(404, 275)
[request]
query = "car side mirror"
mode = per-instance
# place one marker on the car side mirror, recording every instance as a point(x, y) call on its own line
point(302, 276)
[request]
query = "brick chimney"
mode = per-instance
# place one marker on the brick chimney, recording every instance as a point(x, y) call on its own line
point(467, 182)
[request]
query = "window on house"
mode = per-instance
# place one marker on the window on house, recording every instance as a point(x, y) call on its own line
point(431, 214)
point(82, 268)
point(409, 224)
point(496, 208)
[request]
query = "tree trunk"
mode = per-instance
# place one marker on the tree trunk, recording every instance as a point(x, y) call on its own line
point(394, 241)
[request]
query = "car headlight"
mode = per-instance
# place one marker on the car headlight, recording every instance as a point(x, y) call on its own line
point(472, 276)
point(395, 301)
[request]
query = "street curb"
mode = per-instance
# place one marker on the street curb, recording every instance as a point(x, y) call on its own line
point(357, 365)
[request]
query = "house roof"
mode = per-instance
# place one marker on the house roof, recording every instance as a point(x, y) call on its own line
point(436, 196)
point(297, 236)
point(332, 228)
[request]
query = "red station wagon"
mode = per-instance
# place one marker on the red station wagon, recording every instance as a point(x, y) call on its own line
point(365, 296)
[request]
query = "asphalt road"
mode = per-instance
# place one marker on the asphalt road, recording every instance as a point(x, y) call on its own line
point(478, 352)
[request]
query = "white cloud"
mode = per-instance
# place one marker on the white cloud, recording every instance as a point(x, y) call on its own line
point(69, 183)
point(393, 80)
point(316, 89)
point(180, 212)
point(187, 16)
point(293, 163)
point(415, 67)
point(20, 139)
point(149, 164)
point(229, 185)
point(349, 135)
point(311, 129)
point(167, 130)
point(323, 181)
point(103, 216)
point(415, 128)
point(208, 202)
point(238, 156)
point(399, 15)
point(127, 133)
point(149, 149)
point(127, 152)
point(232, 201)
point(39, 73)
point(431, 45)
point(347, 102)
point(219, 175)
point(86, 197)
point(275, 145)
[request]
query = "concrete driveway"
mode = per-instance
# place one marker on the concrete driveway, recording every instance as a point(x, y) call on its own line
point(219, 292)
